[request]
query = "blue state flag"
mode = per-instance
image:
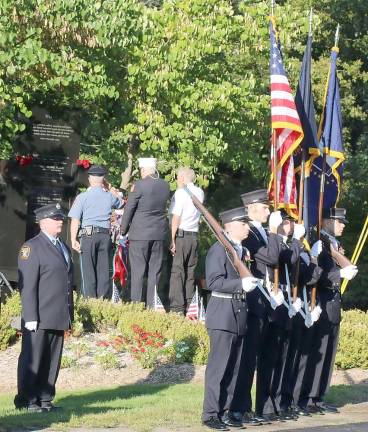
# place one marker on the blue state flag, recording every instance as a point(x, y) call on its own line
point(309, 146)
point(331, 144)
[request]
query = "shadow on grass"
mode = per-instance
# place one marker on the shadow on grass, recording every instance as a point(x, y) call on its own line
point(79, 404)
point(341, 395)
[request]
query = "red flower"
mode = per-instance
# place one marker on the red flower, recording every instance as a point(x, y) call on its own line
point(150, 342)
point(142, 350)
point(84, 163)
point(24, 160)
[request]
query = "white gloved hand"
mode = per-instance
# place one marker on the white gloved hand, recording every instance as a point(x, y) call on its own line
point(295, 307)
point(250, 283)
point(299, 231)
point(316, 313)
point(349, 272)
point(275, 219)
point(316, 249)
point(276, 299)
point(31, 325)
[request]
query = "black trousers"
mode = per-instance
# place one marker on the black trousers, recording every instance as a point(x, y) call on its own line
point(182, 273)
point(270, 369)
point(38, 366)
point(145, 257)
point(319, 368)
point(225, 360)
point(95, 265)
point(252, 343)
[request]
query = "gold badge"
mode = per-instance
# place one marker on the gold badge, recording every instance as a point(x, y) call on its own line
point(24, 252)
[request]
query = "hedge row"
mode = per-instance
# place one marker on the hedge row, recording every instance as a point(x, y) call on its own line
point(98, 315)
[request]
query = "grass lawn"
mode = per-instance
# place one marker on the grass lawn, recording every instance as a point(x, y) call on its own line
point(140, 407)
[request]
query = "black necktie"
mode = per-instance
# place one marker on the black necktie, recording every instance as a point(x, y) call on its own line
point(60, 249)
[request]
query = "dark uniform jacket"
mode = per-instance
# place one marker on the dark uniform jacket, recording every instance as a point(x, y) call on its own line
point(45, 283)
point(328, 287)
point(289, 255)
point(224, 313)
point(145, 212)
point(263, 256)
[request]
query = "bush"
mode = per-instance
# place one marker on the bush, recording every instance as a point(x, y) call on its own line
point(9, 311)
point(353, 344)
point(187, 340)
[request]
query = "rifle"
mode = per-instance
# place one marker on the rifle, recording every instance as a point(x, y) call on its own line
point(218, 231)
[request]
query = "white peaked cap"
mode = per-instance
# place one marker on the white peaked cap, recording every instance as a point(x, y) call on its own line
point(147, 162)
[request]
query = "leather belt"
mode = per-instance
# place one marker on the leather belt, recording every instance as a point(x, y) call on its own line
point(90, 230)
point(235, 296)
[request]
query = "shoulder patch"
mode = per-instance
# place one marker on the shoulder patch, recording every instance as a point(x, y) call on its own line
point(25, 252)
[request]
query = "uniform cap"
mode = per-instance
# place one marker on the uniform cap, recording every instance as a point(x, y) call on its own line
point(52, 211)
point(97, 170)
point(150, 162)
point(335, 213)
point(257, 196)
point(236, 214)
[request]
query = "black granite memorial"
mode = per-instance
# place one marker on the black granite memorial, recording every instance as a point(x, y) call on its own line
point(44, 171)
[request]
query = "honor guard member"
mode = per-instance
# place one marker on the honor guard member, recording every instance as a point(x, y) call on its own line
point(45, 284)
point(184, 243)
point(226, 319)
point(90, 214)
point(264, 248)
point(276, 338)
point(145, 219)
point(326, 329)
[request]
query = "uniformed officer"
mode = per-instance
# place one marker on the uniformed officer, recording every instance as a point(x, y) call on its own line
point(184, 243)
point(226, 318)
point(264, 248)
point(145, 219)
point(90, 214)
point(276, 337)
point(326, 330)
point(45, 283)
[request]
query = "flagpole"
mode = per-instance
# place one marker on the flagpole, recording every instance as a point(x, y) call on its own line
point(323, 179)
point(301, 185)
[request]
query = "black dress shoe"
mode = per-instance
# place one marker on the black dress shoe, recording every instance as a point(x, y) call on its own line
point(322, 406)
point(35, 408)
point(302, 411)
point(215, 423)
point(269, 418)
point(252, 419)
point(231, 420)
point(49, 406)
point(288, 414)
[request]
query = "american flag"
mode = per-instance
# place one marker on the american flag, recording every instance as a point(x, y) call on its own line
point(286, 124)
point(158, 306)
point(193, 309)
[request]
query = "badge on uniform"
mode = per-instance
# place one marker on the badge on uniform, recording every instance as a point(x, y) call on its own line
point(25, 252)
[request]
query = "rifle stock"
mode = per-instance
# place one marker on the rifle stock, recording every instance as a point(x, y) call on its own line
point(337, 256)
point(217, 229)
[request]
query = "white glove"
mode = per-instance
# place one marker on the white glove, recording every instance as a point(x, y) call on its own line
point(31, 325)
point(299, 231)
point(316, 249)
point(276, 299)
point(295, 307)
point(316, 313)
point(275, 219)
point(349, 272)
point(250, 283)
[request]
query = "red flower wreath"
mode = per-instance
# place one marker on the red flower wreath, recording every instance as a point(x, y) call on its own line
point(84, 163)
point(24, 160)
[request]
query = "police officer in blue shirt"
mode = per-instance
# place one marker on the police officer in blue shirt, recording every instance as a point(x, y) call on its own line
point(90, 214)
point(45, 284)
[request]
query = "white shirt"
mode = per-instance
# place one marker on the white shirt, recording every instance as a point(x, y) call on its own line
point(182, 205)
point(261, 230)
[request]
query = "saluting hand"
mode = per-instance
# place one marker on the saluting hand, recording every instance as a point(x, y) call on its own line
point(76, 246)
